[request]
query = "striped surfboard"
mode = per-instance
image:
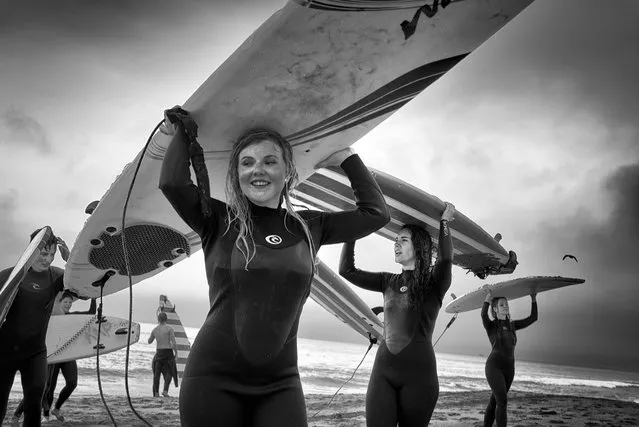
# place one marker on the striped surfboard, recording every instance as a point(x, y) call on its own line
point(475, 249)
point(332, 293)
point(182, 340)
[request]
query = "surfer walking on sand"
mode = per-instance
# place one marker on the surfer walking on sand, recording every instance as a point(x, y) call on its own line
point(260, 259)
point(69, 369)
point(500, 365)
point(164, 360)
point(23, 335)
point(404, 388)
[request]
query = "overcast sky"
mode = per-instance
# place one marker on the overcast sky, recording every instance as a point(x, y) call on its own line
point(535, 136)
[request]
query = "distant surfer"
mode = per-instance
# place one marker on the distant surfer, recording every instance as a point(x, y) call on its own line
point(69, 369)
point(260, 261)
point(164, 360)
point(500, 365)
point(165, 305)
point(23, 335)
point(404, 387)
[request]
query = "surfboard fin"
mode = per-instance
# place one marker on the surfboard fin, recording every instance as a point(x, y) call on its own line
point(91, 207)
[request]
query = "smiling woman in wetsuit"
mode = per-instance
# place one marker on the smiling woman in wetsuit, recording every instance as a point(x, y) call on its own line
point(23, 335)
point(500, 365)
point(404, 387)
point(260, 260)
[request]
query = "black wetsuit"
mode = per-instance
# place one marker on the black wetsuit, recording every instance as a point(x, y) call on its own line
point(242, 368)
point(403, 387)
point(23, 339)
point(500, 366)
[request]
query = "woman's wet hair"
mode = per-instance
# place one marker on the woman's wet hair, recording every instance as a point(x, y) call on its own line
point(51, 241)
point(67, 294)
point(420, 281)
point(238, 205)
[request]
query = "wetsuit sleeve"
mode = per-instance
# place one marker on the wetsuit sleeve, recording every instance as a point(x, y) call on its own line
point(363, 279)
point(524, 323)
point(484, 316)
point(442, 272)
point(178, 188)
point(371, 213)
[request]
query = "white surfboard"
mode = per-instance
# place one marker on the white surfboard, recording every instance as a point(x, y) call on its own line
point(10, 288)
point(181, 339)
point(75, 336)
point(475, 249)
point(332, 293)
point(511, 289)
point(322, 73)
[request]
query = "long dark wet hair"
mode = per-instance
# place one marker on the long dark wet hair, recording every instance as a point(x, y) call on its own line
point(419, 282)
point(507, 321)
point(238, 205)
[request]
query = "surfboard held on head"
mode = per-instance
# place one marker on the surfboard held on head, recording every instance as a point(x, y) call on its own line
point(511, 289)
point(475, 249)
point(321, 73)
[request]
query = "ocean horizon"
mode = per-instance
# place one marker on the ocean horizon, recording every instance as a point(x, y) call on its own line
point(325, 365)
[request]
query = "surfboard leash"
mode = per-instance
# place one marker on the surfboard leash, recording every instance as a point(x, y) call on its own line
point(181, 116)
point(128, 272)
point(97, 359)
point(446, 328)
point(373, 340)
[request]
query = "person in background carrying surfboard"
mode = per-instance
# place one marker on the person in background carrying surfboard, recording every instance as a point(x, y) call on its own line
point(164, 360)
point(165, 305)
point(404, 387)
point(260, 261)
point(500, 366)
point(23, 335)
point(69, 369)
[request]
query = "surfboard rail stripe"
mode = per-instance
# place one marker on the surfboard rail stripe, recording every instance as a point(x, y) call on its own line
point(334, 295)
point(181, 339)
point(336, 177)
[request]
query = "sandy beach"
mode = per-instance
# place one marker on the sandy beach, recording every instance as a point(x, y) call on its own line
point(453, 409)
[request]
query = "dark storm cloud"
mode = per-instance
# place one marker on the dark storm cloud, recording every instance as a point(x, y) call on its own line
point(594, 323)
point(586, 55)
point(24, 130)
point(117, 19)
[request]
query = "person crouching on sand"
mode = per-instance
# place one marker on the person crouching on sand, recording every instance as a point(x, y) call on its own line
point(500, 365)
point(165, 354)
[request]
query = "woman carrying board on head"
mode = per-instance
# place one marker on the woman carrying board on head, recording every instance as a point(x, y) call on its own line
point(500, 365)
point(260, 260)
point(404, 388)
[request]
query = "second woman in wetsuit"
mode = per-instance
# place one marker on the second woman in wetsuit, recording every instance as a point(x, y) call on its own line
point(260, 258)
point(500, 365)
point(404, 387)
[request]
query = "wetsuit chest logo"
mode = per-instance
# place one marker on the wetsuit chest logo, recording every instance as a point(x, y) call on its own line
point(273, 239)
point(403, 288)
